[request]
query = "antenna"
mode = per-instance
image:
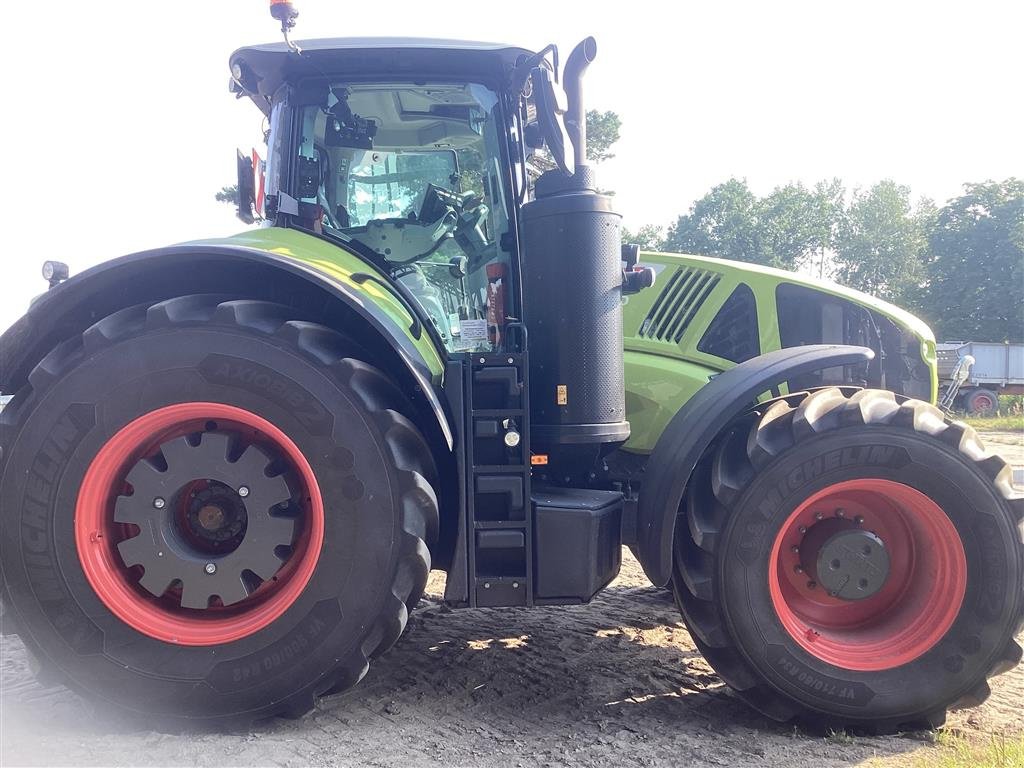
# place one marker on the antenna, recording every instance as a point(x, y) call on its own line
point(285, 12)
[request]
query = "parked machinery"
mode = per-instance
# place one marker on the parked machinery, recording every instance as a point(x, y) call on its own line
point(228, 465)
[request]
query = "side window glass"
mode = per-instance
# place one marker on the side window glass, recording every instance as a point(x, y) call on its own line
point(733, 334)
point(413, 173)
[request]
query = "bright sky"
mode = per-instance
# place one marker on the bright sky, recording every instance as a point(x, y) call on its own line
point(120, 129)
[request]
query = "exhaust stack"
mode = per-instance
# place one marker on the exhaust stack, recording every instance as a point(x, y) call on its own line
point(572, 81)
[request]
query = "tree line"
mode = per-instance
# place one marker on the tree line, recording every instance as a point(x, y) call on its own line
point(959, 266)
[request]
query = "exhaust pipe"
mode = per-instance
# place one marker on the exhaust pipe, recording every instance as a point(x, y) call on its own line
point(572, 81)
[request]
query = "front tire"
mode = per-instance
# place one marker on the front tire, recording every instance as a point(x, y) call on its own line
point(211, 511)
point(853, 561)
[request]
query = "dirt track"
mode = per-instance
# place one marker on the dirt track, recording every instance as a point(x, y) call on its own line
point(614, 682)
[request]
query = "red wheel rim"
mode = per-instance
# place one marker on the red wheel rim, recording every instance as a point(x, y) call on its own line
point(984, 403)
point(909, 614)
point(97, 535)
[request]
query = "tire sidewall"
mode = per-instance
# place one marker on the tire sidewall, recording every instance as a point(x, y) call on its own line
point(991, 545)
point(63, 618)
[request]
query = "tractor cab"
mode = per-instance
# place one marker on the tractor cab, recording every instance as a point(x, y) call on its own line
point(405, 152)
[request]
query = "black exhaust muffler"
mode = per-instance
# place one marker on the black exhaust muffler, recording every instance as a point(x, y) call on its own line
point(572, 291)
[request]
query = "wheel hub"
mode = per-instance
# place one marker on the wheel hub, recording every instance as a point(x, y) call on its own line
point(205, 522)
point(852, 564)
point(215, 518)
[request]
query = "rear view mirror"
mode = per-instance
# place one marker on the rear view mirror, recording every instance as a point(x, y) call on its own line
point(246, 189)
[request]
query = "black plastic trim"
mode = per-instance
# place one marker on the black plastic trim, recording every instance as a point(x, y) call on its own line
point(611, 432)
point(696, 425)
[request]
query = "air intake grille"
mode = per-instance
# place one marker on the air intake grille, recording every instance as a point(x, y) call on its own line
point(678, 303)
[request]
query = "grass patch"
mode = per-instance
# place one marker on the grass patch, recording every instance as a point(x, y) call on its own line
point(954, 751)
point(839, 737)
point(997, 423)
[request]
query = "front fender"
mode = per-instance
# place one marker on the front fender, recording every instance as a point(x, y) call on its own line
point(696, 425)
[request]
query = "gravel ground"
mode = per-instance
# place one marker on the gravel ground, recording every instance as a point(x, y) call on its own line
point(618, 680)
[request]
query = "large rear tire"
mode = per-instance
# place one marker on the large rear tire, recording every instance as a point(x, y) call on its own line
point(853, 561)
point(211, 511)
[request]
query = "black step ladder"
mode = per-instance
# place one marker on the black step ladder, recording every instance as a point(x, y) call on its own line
point(499, 525)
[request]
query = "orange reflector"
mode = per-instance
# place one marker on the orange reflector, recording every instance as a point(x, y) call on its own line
point(539, 459)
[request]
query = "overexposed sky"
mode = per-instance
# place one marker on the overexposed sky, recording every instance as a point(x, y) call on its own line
point(118, 128)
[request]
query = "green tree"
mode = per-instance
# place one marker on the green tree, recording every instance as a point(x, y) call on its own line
point(791, 227)
point(829, 215)
point(228, 195)
point(881, 243)
point(797, 224)
point(602, 132)
point(603, 129)
point(975, 287)
point(649, 237)
point(722, 223)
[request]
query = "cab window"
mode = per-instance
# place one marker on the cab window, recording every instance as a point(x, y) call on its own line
point(411, 174)
point(733, 333)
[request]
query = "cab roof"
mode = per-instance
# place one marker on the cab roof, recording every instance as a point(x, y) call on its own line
point(266, 67)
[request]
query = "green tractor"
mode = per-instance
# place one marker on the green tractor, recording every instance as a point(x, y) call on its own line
point(228, 465)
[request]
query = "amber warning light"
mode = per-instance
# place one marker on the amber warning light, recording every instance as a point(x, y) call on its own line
point(285, 12)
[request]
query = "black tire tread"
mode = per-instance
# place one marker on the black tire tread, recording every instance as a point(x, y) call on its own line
point(382, 400)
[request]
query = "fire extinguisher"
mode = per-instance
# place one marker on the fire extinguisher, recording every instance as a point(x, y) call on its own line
point(496, 288)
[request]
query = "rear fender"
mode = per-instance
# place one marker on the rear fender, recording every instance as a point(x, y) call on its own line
point(151, 276)
point(694, 428)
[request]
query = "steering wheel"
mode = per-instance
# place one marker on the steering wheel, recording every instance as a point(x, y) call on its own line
point(437, 202)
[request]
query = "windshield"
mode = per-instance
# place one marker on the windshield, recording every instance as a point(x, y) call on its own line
point(387, 185)
point(414, 174)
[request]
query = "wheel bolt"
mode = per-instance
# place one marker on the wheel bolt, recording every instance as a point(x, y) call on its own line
point(859, 520)
point(243, 491)
point(795, 549)
point(799, 569)
point(819, 516)
point(159, 503)
point(210, 568)
point(802, 529)
point(812, 584)
point(840, 512)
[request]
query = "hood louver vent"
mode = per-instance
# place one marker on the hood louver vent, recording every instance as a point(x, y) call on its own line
point(678, 303)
